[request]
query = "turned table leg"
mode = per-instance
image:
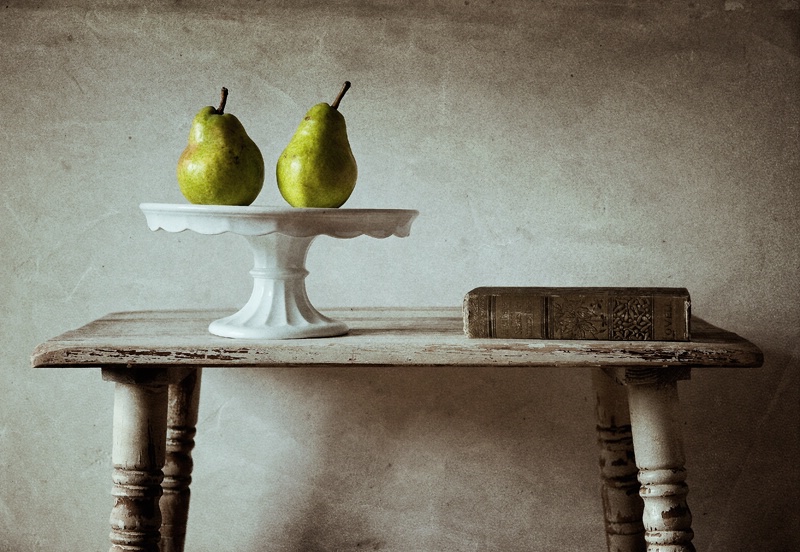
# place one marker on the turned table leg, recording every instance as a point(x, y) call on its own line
point(622, 505)
point(184, 397)
point(140, 427)
point(660, 459)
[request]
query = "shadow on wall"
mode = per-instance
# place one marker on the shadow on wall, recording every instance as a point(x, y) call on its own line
point(444, 459)
point(742, 435)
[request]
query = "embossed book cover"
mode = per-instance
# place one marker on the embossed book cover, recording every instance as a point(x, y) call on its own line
point(605, 313)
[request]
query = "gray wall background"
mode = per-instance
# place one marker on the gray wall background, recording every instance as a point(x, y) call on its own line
point(548, 143)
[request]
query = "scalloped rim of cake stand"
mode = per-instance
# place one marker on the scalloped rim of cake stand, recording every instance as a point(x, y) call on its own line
point(254, 220)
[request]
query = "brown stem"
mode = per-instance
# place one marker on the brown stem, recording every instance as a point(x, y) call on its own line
point(223, 99)
point(342, 92)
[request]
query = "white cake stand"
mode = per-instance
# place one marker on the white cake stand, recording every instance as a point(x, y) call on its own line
point(279, 238)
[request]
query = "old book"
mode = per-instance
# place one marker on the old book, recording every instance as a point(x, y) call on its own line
point(636, 314)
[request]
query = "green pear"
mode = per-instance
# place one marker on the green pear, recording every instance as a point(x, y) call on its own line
point(317, 168)
point(221, 165)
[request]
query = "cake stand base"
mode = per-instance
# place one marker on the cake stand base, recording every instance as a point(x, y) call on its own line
point(278, 307)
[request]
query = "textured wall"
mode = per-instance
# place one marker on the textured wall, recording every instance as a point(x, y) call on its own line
point(549, 143)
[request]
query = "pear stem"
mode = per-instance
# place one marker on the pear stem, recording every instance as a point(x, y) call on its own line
point(223, 99)
point(341, 94)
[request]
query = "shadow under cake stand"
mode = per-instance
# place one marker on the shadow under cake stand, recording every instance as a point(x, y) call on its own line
point(279, 238)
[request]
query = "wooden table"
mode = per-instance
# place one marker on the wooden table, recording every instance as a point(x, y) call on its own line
point(155, 359)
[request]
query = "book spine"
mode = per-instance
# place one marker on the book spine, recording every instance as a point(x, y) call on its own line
point(577, 315)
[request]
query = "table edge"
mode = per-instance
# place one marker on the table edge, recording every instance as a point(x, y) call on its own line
point(738, 352)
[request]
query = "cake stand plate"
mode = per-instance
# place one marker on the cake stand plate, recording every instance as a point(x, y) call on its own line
point(279, 238)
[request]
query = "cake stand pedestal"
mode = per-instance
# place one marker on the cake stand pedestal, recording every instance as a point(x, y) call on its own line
point(279, 238)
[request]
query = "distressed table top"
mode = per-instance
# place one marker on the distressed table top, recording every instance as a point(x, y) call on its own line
point(377, 337)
